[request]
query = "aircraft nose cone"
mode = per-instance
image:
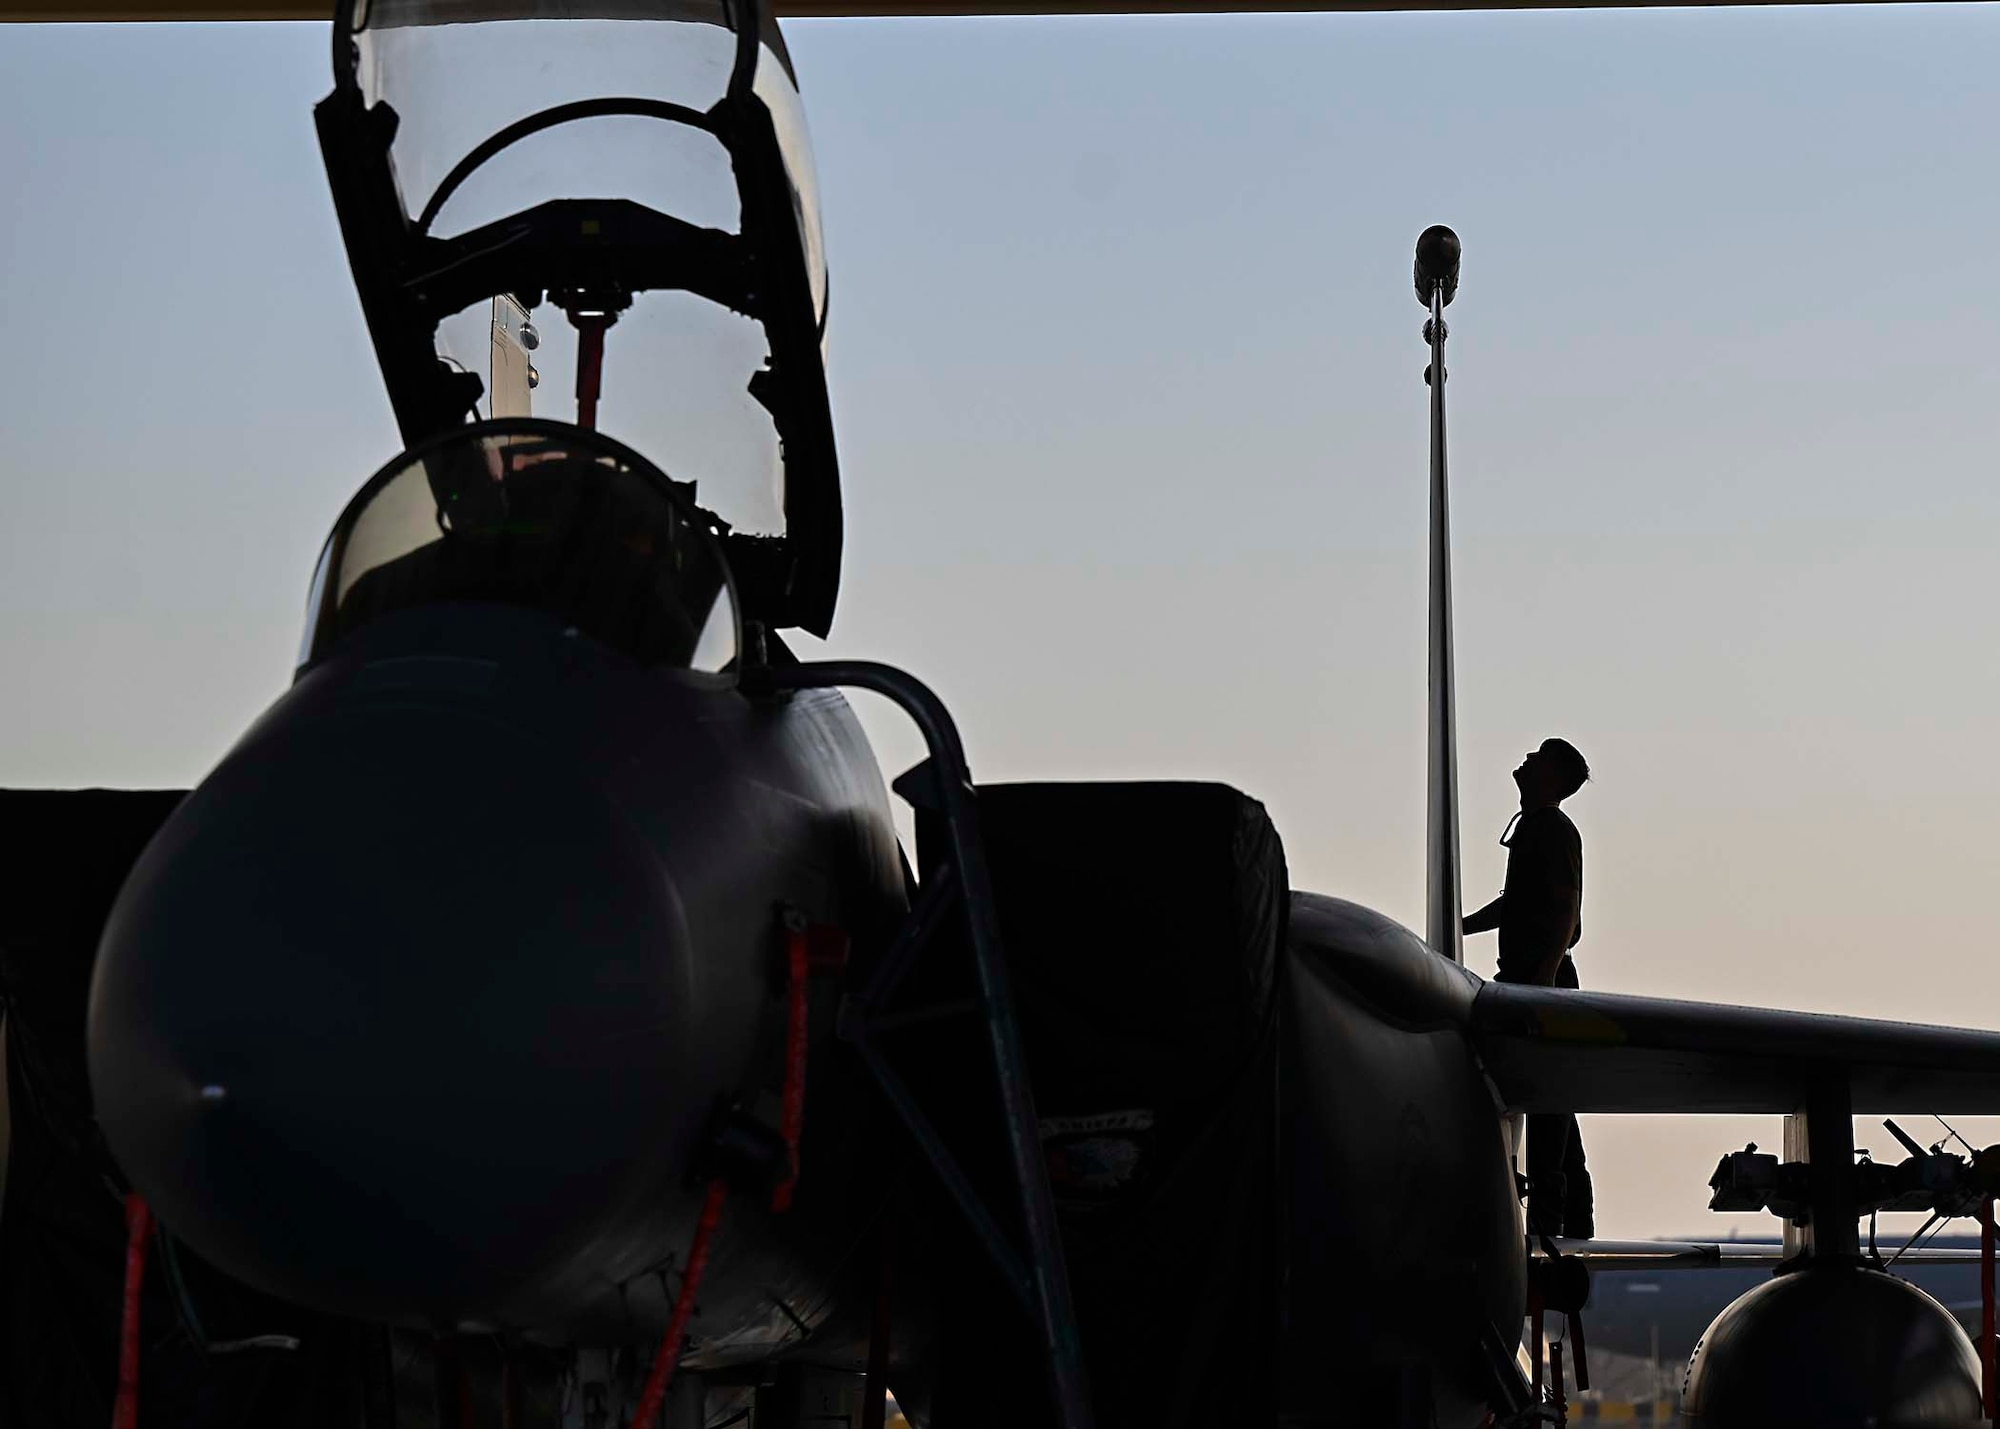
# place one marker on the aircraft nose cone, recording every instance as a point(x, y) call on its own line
point(395, 1015)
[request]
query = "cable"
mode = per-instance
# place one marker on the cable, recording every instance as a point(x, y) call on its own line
point(1911, 1242)
point(1939, 1231)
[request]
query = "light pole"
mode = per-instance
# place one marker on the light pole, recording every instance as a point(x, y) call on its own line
point(1437, 284)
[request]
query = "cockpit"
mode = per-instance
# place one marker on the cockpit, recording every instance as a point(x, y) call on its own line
point(602, 211)
point(536, 515)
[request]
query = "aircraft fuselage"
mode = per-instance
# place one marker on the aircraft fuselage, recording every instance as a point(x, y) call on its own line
point(424, 1007)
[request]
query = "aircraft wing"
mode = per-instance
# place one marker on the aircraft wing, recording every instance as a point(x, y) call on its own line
point(1558, 1049)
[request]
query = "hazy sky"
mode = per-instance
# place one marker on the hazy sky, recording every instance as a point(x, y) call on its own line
point(1127, 375)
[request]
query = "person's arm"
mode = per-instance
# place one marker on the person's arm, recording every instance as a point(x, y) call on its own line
point(1484, 920)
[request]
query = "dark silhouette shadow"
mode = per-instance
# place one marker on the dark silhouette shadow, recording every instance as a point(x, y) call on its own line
point(1539, 916)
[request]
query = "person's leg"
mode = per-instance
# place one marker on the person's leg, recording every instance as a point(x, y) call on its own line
point(1579, 1219)
point(1549, 1135)
point(1578, 1210)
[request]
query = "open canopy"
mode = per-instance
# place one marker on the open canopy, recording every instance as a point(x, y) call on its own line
point(602, 210)
point(584, 87)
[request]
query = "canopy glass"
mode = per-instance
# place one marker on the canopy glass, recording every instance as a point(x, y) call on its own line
point(505, 106)
point(538, 515)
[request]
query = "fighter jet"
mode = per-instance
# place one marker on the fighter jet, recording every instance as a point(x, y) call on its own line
point(537, 993)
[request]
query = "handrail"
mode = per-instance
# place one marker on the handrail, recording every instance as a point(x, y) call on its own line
point(952, 785)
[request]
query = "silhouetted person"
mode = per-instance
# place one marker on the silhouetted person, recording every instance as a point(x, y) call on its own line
point(1540, 917)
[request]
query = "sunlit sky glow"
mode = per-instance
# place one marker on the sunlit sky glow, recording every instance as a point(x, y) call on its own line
point(1127, 374)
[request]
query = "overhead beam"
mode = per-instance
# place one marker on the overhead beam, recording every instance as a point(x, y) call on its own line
point(156, 10)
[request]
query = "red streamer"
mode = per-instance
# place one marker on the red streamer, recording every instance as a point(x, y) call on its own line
point(810, 948)
point(589, 363)
point(138, 1234)
point(798, 964)
point(669, 1357)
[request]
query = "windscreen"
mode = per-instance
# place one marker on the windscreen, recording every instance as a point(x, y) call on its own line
point(675, 368)
point(536, 515)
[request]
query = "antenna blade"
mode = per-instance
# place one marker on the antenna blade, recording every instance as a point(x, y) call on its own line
point(1442, 916)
